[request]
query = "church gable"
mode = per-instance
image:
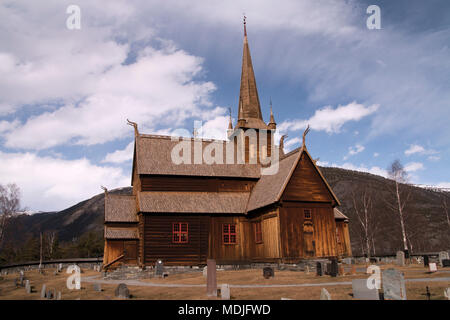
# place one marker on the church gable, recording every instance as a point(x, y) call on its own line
point(307, 184)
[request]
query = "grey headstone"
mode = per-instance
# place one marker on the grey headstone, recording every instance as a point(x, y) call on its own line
point(21, 279)
point(211, 279)
point(443, 255)
point(393, 285)
point(97, 287)
point(58, 295)
point(27, 286)
point(60, 267)
point(319, 270)
point(43, 291)
point(426, 261)
point(400, 258)
point(334, 268)
point(159, 268)
point(446, 263)
point(268, 272)
point(205, 271)
point(225, 291)
point(122, 291)
point(325, 295)
point(50, 294)
point(362, 292)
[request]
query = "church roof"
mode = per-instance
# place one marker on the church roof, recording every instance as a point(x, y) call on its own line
point(121, 233)
point(338, 215)
point(120, 208)
point(153, 156)
point(193, 202)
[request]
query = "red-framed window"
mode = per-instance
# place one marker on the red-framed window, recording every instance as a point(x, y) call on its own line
point(307, 213)
point(180, 232)
point(258, 232)
point(229, 233)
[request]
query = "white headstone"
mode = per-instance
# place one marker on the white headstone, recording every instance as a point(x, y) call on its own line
point(43, 291)
point(325, 295)
point(225, 292)
point(447, 293)
point(205, 271)
point(432, 266)
point(27, 286)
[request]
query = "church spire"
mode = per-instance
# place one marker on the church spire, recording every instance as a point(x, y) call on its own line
point(272, 124)
point(249, 107)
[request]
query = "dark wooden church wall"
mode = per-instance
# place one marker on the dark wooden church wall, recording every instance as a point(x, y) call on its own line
point(158, 240)
point(344, 246)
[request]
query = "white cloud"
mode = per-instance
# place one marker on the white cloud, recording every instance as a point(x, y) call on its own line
point(414, 148)
point(120, 156)
point(331, 120)
point(376, 154)
point(354, 150)
point(414, 166)
point(49, 184)
point(434, 158)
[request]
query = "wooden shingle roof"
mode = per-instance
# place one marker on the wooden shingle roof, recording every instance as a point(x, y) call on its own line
point(121, 233)
point(153, 156)
point(338, 215)
point(120, 208)
point(193, 202)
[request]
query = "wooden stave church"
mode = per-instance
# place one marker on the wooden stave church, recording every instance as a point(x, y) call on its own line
point(184, 214)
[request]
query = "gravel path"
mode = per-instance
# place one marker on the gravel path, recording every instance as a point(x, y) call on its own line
point(93, 279)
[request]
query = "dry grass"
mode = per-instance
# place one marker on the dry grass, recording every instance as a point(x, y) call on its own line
point(415, 290)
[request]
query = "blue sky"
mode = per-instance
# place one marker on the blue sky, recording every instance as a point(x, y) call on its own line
point(370, 96)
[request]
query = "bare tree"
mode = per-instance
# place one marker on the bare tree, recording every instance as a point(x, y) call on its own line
point(362, 204)
point(9, 206)
point(445, 209)
point(50, 240)
point(401, 194)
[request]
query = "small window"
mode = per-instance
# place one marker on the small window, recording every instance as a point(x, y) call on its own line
point(307, 213)
point(180, 232)
point(229, 233)
point(258, 232)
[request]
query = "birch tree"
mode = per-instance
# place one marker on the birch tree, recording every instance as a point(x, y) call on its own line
point(401, 195)
point(363, 207)
point(9, 206)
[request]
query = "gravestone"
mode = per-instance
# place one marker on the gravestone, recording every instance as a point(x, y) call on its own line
point(347, 260)
point(21, 279)
point(58, 295)
point(325, 295)
point(319, 270)
point(27, 286)
point(334, 268)
point(205, 271)
point(286, 298)
point(307, 269)
point(60, 266)
point(225, 291)
point(122, 291)
point(362, 292)
point(211, 280)
point(400, 258)
point(446, 263)
point(447, 293)
point(426, 261)
point(97, 287)
point(432, 267)
point(50, 294)
point(43, 291)
point(393, 285)
point(443, 255)
point(268, 272)
point(159, 268)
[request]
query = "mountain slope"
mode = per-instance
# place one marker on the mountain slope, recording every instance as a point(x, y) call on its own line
point(426, 223)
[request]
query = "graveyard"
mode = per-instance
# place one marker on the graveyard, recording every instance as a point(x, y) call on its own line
point(287, 284)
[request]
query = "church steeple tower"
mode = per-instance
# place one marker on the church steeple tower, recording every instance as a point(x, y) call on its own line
point(249, 106)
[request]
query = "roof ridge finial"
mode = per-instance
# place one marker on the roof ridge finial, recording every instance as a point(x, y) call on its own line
point(245, 25)
point(104, 189)
point(304, 137)
point(134, 124)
